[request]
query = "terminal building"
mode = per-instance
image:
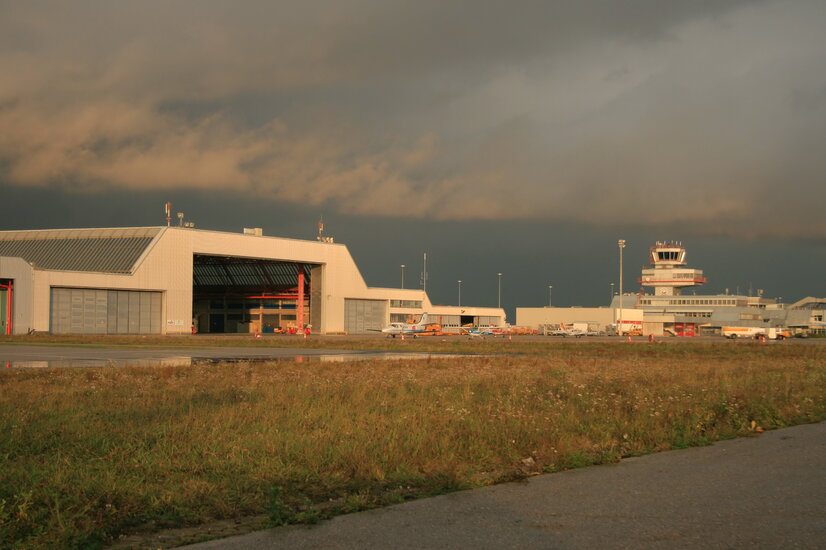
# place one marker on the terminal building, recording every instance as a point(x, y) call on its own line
point(178, 280)
point(667, 309)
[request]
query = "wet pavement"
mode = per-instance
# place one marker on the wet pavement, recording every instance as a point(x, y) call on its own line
point(22, 356)
point(751, 493)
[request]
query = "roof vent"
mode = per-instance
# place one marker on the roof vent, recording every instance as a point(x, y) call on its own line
point(256, 231)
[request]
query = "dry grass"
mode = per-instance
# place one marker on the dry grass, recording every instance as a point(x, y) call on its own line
point(89, 455)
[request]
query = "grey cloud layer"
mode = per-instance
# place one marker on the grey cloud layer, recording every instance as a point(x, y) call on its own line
point(605, 112)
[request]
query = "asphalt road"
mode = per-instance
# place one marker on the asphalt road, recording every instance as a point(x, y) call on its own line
point(761, 492)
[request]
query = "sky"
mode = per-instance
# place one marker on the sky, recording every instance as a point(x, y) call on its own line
point(521, 138)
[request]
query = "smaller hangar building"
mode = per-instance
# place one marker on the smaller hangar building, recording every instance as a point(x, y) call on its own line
point(173, 280)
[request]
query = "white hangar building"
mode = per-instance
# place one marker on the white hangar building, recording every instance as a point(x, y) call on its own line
point(169, 280)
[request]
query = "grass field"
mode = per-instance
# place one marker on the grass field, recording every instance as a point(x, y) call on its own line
point(90, 456)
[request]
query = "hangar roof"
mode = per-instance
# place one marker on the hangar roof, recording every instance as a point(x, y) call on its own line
point(94, 250)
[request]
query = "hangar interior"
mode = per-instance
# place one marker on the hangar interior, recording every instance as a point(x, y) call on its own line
point(453, 323)
point(249, 295)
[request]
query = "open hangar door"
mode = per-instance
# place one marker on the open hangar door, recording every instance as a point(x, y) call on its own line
point(252, 295)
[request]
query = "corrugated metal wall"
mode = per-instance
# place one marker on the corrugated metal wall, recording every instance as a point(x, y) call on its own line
point(98, 311)
point(363, 316)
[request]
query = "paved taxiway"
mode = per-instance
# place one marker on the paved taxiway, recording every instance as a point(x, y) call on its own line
point(23, 356)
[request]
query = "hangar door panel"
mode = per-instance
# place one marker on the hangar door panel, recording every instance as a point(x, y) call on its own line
point(94, 311)
point(362, 316)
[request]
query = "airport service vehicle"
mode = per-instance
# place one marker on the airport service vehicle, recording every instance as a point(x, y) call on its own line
point(772, 333)
point(778, 333)
point(734, 333)
point(570, 330)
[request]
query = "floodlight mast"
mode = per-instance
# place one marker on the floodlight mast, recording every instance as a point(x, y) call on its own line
point(621, 245)
point(424, 271)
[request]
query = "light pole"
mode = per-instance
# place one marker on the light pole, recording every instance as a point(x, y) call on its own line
point(612, 294)
point(460, 292)
point(424, 271)
point(499, 298)
point(621, 244)
point(402, 266)
point(550, 294)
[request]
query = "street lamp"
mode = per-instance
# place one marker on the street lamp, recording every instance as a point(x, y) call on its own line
point(460, 292)
point(621, 244)
point(550, 294)
point(499, 299)
point(402, 266)
point(612, 294)
point(424, 271)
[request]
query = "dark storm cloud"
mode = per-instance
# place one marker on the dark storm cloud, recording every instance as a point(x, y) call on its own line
point(701, 115)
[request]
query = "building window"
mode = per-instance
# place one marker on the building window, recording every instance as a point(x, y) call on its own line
point(406, 303)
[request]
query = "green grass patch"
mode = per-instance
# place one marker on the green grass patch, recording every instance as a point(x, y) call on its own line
point(91, 455)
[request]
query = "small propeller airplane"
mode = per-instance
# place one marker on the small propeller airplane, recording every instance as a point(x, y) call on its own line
point(481, 332)
point(407, 329)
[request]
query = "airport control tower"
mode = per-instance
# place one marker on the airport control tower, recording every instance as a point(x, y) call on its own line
point(668, 276)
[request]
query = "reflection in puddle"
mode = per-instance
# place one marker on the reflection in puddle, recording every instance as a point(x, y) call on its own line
point(97, 363)
point(320, 358)
point(185, 361)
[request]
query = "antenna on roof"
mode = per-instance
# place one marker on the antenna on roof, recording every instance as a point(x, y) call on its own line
point(320, 237)
point(182, 223)
point(168, 209)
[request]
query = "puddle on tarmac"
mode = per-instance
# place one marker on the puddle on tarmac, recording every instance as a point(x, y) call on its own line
point(95, 363)
point(185, 361)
